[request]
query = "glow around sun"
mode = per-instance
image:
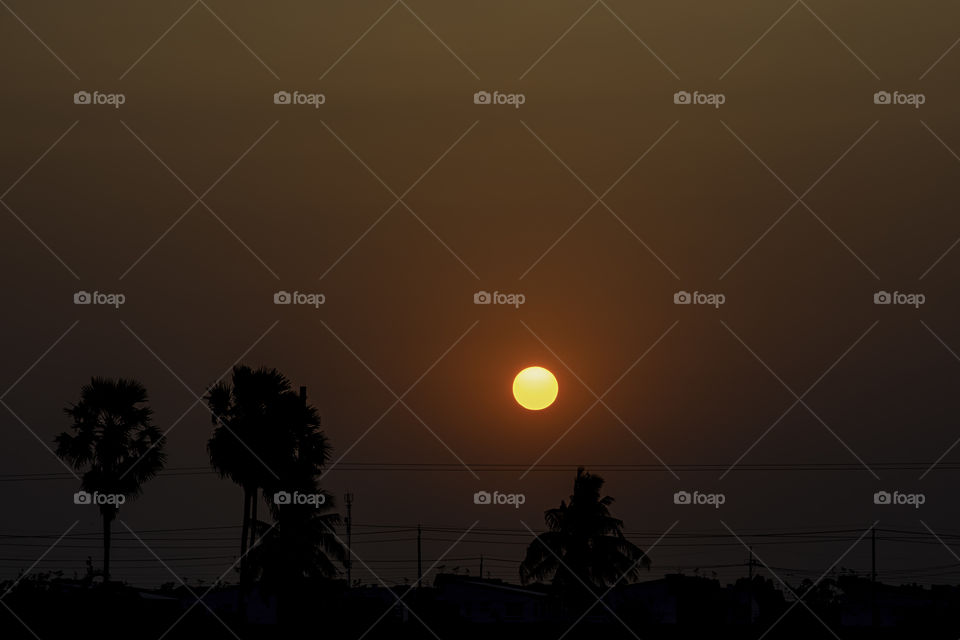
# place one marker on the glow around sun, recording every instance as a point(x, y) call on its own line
point(535, 388)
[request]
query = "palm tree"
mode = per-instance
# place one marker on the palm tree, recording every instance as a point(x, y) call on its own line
point(114, 443)
point(266, 438)
point(584, 543)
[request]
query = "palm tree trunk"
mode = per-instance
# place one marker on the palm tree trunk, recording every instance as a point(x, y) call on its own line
point(244, 535)
point(107, 518)
point(245, 532)
point(253, 516)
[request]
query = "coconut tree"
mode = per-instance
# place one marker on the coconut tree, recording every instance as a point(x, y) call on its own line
point(114, 443)
point(583, 542)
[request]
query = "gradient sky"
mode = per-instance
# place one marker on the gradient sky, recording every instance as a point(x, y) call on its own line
point(511, 182)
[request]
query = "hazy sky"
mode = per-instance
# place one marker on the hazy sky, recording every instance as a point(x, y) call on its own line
point(296, 198)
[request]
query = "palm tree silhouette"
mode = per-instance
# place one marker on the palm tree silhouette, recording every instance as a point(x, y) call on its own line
point(584, 543)
point(114, 443)
point(266, 438)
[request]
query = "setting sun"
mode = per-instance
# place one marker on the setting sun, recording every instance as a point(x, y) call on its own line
point(535, 388)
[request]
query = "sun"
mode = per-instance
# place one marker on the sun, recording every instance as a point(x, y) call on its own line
point(535, 388)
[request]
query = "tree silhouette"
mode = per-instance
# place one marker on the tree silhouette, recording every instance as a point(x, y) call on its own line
point(114, 443)
point(584, 543)
point(268, 438)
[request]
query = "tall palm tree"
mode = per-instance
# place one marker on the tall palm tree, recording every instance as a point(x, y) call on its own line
point(114, 443)
point(266, 438)
point(584, 543)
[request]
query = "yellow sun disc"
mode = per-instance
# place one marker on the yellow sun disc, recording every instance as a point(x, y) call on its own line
point(535, 388)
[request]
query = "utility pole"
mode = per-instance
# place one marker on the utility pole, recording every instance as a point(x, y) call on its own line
point(750, 584)
point(481, 566)
point(348, 500)
point(419, 560)
point(873, 576)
